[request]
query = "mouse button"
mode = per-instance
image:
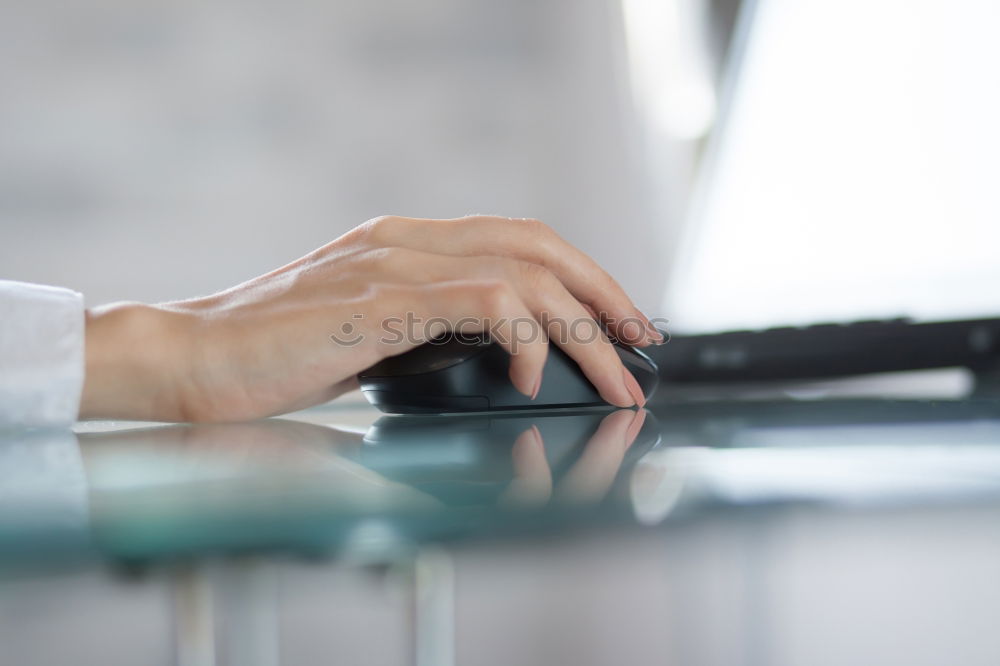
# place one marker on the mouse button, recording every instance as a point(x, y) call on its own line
point(633, 358)
point(643, 368)
point(428, 357)
point(633, 363)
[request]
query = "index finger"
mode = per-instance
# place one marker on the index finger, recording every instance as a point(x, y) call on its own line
point(532, 241)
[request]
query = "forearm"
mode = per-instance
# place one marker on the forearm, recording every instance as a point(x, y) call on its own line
point(134, 355)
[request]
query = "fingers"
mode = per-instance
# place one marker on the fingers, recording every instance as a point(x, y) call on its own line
point(570, 326)
point(530, 241)
point(469, 306)
point(588, 480)
point(532, 482)
point(559, 315)
point(592, 475)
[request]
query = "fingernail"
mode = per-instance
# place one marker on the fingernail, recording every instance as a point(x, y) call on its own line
point(653, 334)
point(634, 427)
point(537, 436)
point(529, 390)
point(632, 387)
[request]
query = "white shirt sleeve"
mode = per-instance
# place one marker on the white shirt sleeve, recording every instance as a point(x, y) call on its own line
point(41, 354)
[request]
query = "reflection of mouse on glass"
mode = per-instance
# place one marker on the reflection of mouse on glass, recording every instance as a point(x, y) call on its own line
point(515, 458)
point(469, 374)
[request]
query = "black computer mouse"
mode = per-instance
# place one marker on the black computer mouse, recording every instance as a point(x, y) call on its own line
point(468, 373)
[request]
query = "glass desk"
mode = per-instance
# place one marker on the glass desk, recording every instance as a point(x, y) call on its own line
point(343, 482)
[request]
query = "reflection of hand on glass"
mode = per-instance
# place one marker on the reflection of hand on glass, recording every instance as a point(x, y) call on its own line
point(282, 442)
point(300, 457)
point(590, 477)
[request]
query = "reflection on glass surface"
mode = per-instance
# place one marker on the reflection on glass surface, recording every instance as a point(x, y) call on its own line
point(519, 459)
point(280, 484)
point(43, 495)
point(833, 452)
point(292, 486)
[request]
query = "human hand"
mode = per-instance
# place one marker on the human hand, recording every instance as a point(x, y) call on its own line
point(590, 477)
point(268, 346)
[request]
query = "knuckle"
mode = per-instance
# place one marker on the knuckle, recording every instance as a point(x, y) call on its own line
point(535, 226)
point(587, 332)
point(493, 296)
point(535, 276)
point(469, 221)
point(381, 229)
point(471, 224)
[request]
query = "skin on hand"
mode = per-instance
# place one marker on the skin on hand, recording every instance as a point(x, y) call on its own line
point(268, 346)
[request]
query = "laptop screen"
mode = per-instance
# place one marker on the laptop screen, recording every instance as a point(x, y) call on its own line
point(855, 173)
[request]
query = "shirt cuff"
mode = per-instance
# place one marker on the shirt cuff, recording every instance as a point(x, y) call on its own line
point(41, 354)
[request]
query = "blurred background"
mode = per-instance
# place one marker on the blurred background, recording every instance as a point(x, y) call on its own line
point(157, 150)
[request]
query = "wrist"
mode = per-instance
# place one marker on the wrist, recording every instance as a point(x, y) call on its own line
point(134, 354)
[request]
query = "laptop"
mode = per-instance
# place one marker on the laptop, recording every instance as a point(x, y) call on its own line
point(846, 218)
